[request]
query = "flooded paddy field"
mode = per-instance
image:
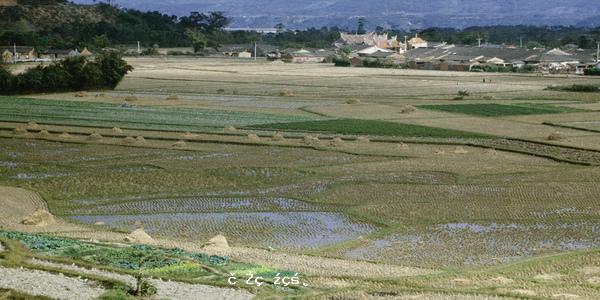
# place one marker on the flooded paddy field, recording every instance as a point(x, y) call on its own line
point(472, 244)
point(290, 230)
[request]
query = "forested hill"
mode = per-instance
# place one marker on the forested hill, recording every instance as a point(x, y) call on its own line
point(62, 24)
point(395, 14)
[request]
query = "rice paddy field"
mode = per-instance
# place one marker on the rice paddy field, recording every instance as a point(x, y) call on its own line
point(493, 196)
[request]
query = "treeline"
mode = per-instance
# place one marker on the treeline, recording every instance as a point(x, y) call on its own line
point(104, 25)
point(78, 73)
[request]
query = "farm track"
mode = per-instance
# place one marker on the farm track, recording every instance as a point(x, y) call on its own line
point(165, 289)
point(559, 153)
point(35, 282)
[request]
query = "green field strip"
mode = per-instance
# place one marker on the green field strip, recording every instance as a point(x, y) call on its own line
point(370, 127)
point(500, 110)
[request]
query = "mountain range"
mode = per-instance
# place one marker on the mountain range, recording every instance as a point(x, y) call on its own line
point(398, 14)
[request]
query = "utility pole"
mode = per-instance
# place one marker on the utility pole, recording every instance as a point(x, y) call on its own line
point(139, 48)
point(521, 41)
point(598, 53)
point(405, 43)
point(15, 53)
point(255, 48)
point(479, 41)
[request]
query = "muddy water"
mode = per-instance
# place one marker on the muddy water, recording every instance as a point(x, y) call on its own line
point(291, 230)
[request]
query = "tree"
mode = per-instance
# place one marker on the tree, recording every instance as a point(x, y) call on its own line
point(280, 28)
point(206, 23)
point(6, 79)
point(100, 41)
point(197, 39)
point(361, 26)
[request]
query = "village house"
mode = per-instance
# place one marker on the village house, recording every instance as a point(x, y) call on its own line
point(246, 50)
point(416, 43)
point(54, 54)
point(465, 58)
point(370, 39)
point(23, 53)
point(304, 56)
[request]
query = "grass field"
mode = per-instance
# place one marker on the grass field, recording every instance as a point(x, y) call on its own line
point(369, 127)
point(500, 110)
point(133, 116)
point(473, 192)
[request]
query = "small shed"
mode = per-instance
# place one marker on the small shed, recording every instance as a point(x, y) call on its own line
point(85, 52)
point(244, 54)
point(7, 56)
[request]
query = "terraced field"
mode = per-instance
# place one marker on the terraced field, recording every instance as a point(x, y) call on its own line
point(480, 198)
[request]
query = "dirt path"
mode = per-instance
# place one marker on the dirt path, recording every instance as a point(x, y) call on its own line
point(183, 291)
point(40, 283)
point(165, 289)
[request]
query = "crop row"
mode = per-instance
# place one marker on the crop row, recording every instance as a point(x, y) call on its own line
point(142, 117)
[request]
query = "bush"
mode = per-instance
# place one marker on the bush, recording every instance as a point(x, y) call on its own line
point(6, 78)
point(494, 69)
point(379, 63)
point(592, 72)
point(582, 88)
point(149, 52)
point(72, 74)
point(341, 61)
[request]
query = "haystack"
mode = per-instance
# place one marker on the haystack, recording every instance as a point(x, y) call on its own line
point(556, 136)
point(230, 128)
point(139, 236)
point(131, 98)
point(128, 140)
point(172, 97)
point(33, 125)
point(403, 146)
point(408, 109)
point(353, 101)
point(39, 218)
point(286, 94)
point(278, 137)
point(336, 142)
point(253, 137)
point(180, 144)
point(439, 152)
point(363, 139)
point(94, 137)
point(80, 94)
point(140, 139)
point(20, 130)
point(44, 133)
point(65, 135)
point(218, 243)
point(310, 140)
point(117, 130)
point(491, 152)
point(460, 150)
